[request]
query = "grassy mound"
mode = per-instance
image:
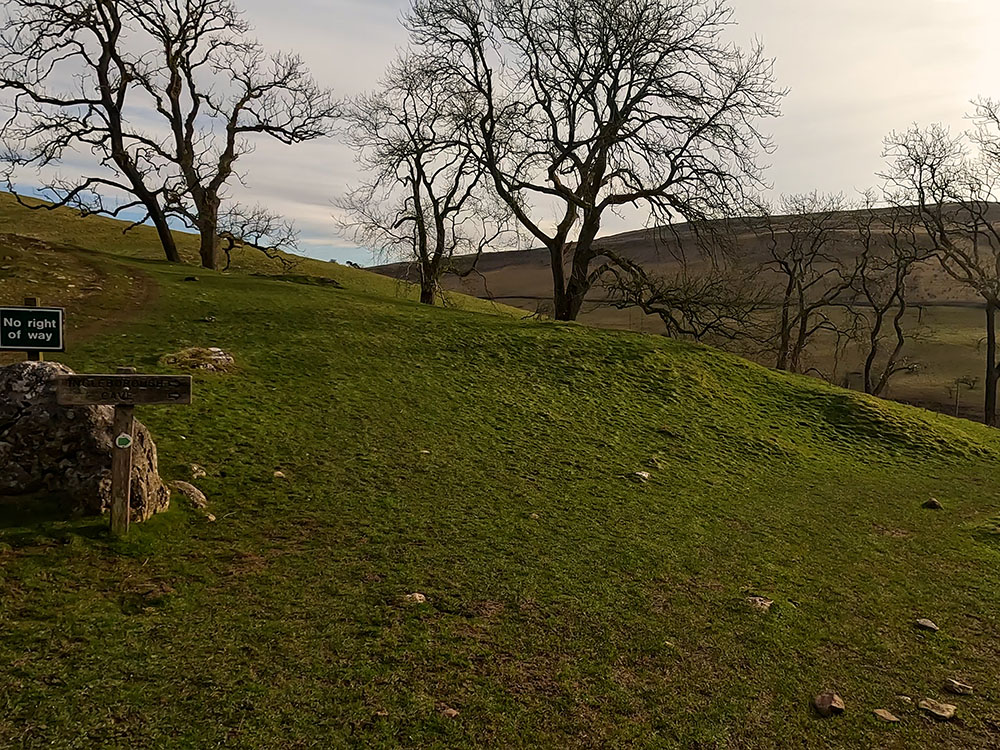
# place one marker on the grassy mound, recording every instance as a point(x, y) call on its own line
point(368, 448)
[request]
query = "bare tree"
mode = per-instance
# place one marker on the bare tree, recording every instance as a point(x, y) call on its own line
point(585, 107)
point(723, 303)
point(68, 80)
point(813, 273)
point(425, 201)
point(955, 192)
point(889, 249)
point(257, 228)
point(215, 88)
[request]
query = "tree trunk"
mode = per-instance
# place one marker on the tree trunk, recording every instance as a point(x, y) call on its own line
point(208, 248)
point(427, 291)
point(992, 372)
point(166, 236)
point(785, 326)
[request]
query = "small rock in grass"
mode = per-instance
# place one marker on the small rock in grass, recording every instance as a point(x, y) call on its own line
point(425, 453)
point(449, 713)
point(640, 476)
point(210, 518)
point(195, 496)
point(535, 516)
point(957, 687)
point(279, 475)
point(933, 504)
point(942, 711)
point(760, 602)
point(905, 699)
point(416, 597)
point(828, 703)
point(190, 278)
point(886, 715)
point(924, 624)
point(198, 472)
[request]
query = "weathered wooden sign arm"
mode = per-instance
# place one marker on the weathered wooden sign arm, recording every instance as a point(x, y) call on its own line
point(123, 391)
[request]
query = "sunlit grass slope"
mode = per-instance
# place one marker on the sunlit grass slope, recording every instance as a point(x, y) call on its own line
point(487, 463)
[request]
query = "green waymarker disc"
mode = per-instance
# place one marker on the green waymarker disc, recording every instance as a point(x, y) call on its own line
point(123, 441)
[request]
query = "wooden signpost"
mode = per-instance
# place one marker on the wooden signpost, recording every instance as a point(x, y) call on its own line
point(123, 391)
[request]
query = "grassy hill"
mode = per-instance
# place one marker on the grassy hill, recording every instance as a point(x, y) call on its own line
point(945, 322)
point(488, 463)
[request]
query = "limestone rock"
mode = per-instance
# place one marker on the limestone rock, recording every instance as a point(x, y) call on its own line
point(449, 713)
point(208, 359)
point(198, 472)
point(957, 687)
point(924, 624)
point(640, 476)
point(886, 715)
point(760, 602)
point(66, 451)
point(828, 703)
point(416, 598)
point(933, 504)
point(942, 711)
point(195, 496)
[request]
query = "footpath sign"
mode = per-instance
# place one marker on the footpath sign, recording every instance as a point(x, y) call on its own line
point(123, 391)
point(32, 329)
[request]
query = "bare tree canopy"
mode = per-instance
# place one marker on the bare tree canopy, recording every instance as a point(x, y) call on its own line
point(813, 274)
point(212, 86)
point(426, 200)
point(589, 106)
point(69, 76)
point(953, 182)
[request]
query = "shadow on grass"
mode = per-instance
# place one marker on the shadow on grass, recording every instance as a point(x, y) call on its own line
point(26, 518)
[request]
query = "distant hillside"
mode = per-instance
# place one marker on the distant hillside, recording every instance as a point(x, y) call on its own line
point(524, 278)
point(25, 233)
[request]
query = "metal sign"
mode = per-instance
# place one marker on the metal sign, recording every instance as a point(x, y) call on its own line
point(128, 390)
point(32, 329)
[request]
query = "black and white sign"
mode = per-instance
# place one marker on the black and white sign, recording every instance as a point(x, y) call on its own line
point(32, 329)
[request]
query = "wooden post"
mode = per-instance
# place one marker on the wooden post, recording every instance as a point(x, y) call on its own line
point(33, 356)
point(121, 464)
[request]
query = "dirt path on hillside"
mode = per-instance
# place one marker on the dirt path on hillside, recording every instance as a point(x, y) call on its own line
point(98, 292)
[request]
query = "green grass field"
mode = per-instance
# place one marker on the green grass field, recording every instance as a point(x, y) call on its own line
point(485, 462)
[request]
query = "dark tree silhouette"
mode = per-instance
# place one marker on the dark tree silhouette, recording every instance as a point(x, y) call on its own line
point(425, 201)
point(955, 191)
point(69, 79)
point(588, 107)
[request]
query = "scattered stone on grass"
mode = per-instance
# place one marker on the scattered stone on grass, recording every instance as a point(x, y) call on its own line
point(640, 476)
point(449, 713)
point(942, 711)
point(66, 451)
point(209, 517)
point(905, 699)
point(828, 703)
point(956, 687)
point(924, 624)
point(416, 598)
point(886, 715)
point(760, 602)
point(279, 475)
point(194, 496)
point(198, 472)
point(933, 504)
point(208, 359)
point(425, 453)
point(535, 516)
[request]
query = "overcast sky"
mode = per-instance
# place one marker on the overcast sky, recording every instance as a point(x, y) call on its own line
point(856, 69)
